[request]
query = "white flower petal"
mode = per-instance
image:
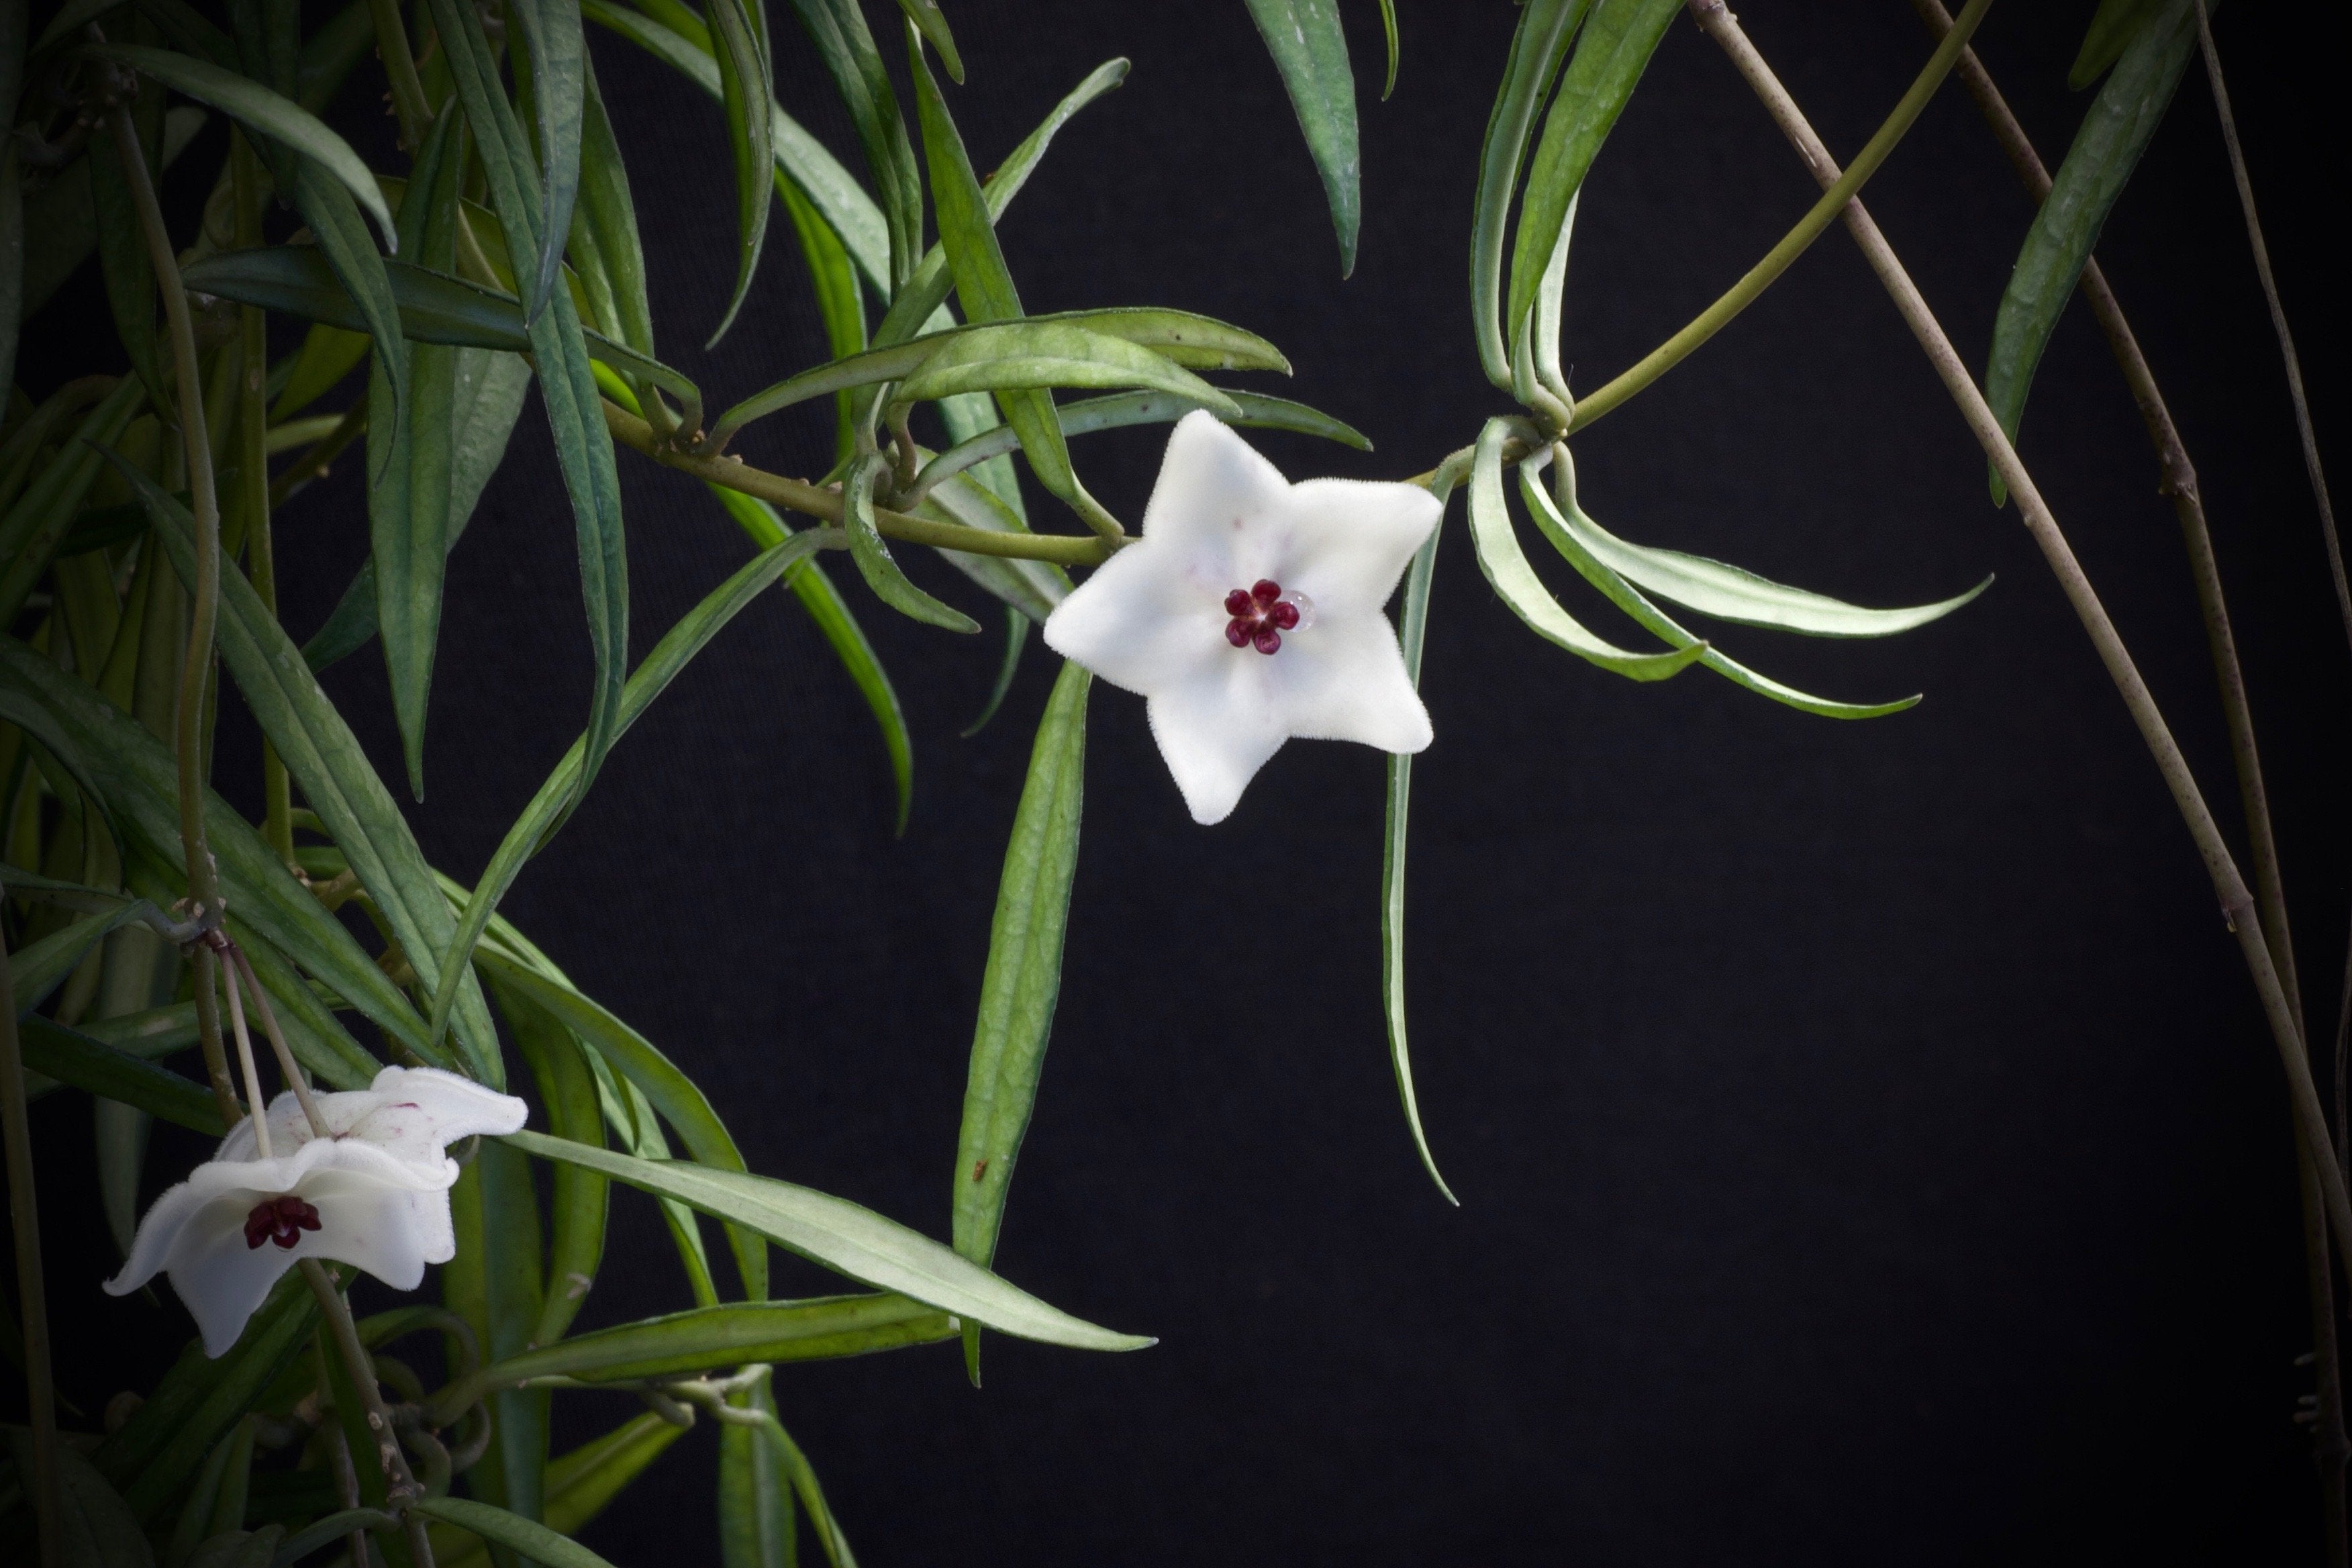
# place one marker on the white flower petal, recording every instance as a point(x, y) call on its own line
point(1145, 620)
point(391, 1232)
point(1212, 486)
point(419, 1111)
point(1344, 679)
point(1350, 539)
point(1216, 731)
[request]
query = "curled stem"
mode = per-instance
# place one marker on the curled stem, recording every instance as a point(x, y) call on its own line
point(402, 1487)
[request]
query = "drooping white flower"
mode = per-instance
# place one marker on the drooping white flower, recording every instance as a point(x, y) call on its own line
point(373, 1193)
point(1248, 611)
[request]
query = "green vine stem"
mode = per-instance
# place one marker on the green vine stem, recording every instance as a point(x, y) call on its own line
point(1777, 260)
point(404, 1487)
point(2178, 479)
point(2238, 908)
point(253, 473)
point(734, 474)
point(409, 104)
point(32, 1299)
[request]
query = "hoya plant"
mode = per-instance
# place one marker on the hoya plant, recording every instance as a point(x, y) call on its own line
point(419, 1124)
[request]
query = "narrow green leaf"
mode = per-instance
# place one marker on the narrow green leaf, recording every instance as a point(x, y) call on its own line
point(124, 263)
point(1310, 50)
point(1537, 49)
point(933, 25)
point(875, 562)
point(1566, 528)
point(583, 447)
point(340, 237)
point(547, 810)
point(1016, 638)
point(926, 290)
point(135, 780)
point(1731, 594)
point(1611, 56)
point(37, 524)
point(849, 1240)
point(1389, 28)
point(558, 58)
point(683, 1343)
point(840, 304)
point(756, 1527)
point(532, 1540)
point(98, 1528)
point(2107, 148)
point(60, 219)
point(605, 223)
point(681, 42)
point(328, 354)
point(73, 1059)
point(984, 286)
point(1024, 977)
point(739, 30)
point(494, 1282)
point(677, 1096)
point(568, 1090)
point(1412, 626)
point(579, 1485)
point(845, 45)
point(1032, 588)
point(410, 459)
point(1506, 566)
point(41, 966)
point(1012, 356)
point(264, 112)
point(335, 776)
point(2112, 27)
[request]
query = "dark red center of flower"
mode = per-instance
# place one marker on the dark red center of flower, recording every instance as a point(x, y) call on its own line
point(1260, 616)
point(281, 1220)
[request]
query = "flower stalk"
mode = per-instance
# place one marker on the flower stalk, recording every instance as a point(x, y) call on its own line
point(2236, 900)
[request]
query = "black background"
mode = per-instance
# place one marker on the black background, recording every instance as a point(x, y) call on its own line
point(1869, 1145)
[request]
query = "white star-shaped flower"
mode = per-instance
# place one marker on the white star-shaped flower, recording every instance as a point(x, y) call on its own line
point(1249, 611)
point(373, 1193)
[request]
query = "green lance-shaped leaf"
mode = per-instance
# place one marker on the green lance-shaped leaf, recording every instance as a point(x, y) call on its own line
point(2112, 27)
point(1564, 525)
point(528, 1538)
point(153, 1468)
point(840, 303)
point(264, 112)
point(1506, 566)
point(875, 562)
point(1732, 594)
point(2098, 165)
point(845, 45)
point(1310, 50)
point(926, 290)
point(97, 1528)
point(60, 219)
point(342, 240)
point(932, 23)
point(268, 47)
point(548, 809)
point(848, 1238)
point(567, 1088)
point(335, 776)
point(756, 1523)
point(739, 30)
point(579, 1486)
point(494, 1283)
point(1175, 337)
point(684, 1344)
point(1122, 409)
point(41, 966)
point(1412, 626)
point(1389, 28)
point(1036, 353)
point(135, 779)
point(680, 41)
point(1016, 638)
point(410, 457)
point(125, 266)
point(583, 445)
point(1024, 978)
point(984, 284)
point(43, 512)
point(72, 1057)
point(1612, 53)
point(604, 227)
point(429, 307)
point(328, 354)
point(676, 1096)
point(559, 68)
point(1537, 49)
